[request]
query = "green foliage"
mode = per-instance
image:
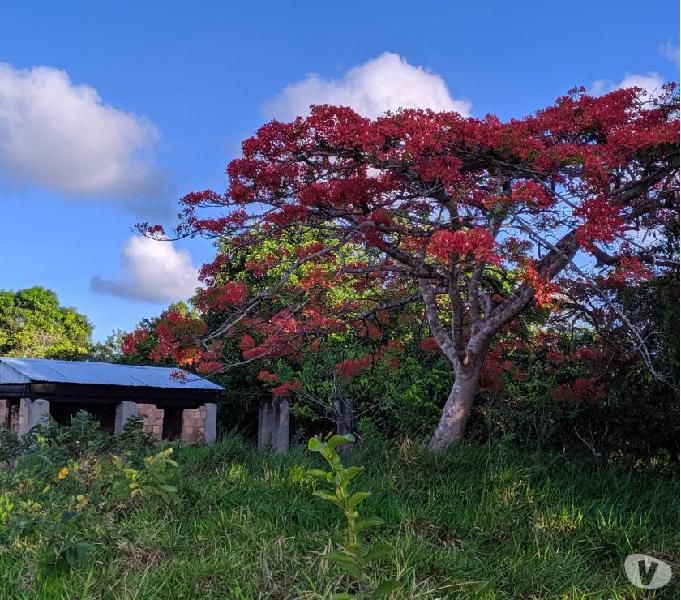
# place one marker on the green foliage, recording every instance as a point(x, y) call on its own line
point(354, 555)
point(69, 512)
point(68, 492)
point(150, 481)
point(110, 350)
point(11, 447)
point(54, 444)
point(473, 523)
point(51, 444)
point(636, 422)
point(32, 323)
point(133, 440)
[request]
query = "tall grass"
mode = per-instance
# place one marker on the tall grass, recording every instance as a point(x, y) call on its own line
point(476, 522)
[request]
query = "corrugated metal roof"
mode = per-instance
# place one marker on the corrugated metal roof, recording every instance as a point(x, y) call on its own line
point(26, 370)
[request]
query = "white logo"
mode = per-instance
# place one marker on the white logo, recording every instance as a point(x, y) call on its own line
point(647, 572)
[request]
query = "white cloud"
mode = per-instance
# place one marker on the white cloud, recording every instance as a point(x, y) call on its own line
point(63, 137)
point(670, 52)
point(152, 270)
point(650, 82)
point(387, 82)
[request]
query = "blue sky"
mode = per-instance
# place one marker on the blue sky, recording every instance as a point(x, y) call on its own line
point(173, 88)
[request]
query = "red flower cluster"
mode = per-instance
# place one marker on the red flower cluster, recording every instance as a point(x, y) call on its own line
point(544, 291)
point(476, 243)
point(533, 194)
point(603, 222)
point(353, 366)
point(630, 269)
point(287, 388)
point(132, 341)
point(429, 344)
point(582, 390)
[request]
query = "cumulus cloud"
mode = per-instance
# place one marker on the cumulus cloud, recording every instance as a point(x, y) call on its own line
point(387, 82)
point(153, 271)
point(650, 82)
point(63, 137)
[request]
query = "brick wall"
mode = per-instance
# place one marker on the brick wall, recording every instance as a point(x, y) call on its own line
point(193, 424)
point(152, 418)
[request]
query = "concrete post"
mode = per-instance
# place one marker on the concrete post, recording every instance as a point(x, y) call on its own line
point(38, 413)
point(281, 436)
point(274, 420)
point(21, 422)
point(31, 413)
point(4, 412)
point(210, 426)
point(264, 425)
point(124, 411)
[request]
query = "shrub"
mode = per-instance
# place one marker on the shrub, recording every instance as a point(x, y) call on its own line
point(354, 555)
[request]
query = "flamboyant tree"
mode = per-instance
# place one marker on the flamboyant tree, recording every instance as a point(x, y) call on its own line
point(472, 220)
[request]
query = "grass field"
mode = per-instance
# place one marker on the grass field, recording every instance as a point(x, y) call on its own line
point(477, 522)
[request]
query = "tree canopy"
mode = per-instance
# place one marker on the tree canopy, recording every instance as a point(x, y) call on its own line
point(33, 324)
point(474, 221)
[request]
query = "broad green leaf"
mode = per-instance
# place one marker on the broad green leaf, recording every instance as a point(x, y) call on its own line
point(339, 440)
point(330, 455)
point(385, 588)
point(318, 474)
point(353, 472)
point(350, 568)
point(357, 497)
point(379, 550)
point(366, 523)
point(329, 497)
point(314, 444)
point(341, 557)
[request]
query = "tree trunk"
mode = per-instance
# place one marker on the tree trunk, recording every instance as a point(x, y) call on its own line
point(455, 414)
point(345, 415)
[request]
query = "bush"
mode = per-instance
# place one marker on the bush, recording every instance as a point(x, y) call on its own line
point(65, 513)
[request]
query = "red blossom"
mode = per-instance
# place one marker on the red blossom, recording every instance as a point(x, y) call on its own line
point(429, 345)
point(476, 243)
point(533, 194)
point(351, 367)
point(287, 388)
point(132, 341)
point(603, 222)
point(630, 269)
point(267, 377)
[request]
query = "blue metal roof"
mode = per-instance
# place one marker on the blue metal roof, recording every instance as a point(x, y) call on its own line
point(28, 370)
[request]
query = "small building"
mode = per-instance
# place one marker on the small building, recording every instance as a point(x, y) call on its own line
point(172, 407)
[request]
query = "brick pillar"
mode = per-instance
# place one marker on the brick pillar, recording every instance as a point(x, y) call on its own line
point(210, 426)
point(153, 419)
point(194, 424)
point(124, 410)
